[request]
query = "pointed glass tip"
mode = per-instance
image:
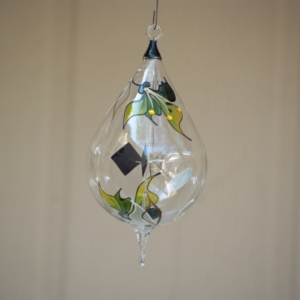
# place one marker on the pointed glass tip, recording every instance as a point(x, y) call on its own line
point(142, 233)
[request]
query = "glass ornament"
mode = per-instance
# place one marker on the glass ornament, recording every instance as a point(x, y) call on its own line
point(147, 163)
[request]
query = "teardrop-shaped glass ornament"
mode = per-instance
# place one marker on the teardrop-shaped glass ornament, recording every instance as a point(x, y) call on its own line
point(147, 164)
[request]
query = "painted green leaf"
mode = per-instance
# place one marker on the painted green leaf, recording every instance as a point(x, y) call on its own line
point(153, 105)
point(154, 108)
point(174, 117)
point(135, 108)
point(172, 112)
point(123, 205)
point(166, 91)
point(143, 196)
point(155, 102)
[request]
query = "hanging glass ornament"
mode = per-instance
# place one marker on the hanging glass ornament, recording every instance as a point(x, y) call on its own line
point(147, 164)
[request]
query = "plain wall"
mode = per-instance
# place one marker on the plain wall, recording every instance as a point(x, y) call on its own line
point(236, 66)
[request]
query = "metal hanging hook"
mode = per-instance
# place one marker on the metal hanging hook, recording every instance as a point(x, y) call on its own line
point(155, 13)
point(153, 31)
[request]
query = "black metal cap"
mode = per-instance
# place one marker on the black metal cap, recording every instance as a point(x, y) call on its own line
point(152, 51)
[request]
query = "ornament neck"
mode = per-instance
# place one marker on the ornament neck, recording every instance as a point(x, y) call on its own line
point(152, 51)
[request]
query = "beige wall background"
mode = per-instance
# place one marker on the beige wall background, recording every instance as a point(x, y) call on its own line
point(236, 65)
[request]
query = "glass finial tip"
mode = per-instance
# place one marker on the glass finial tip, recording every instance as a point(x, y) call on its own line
point(142, 233)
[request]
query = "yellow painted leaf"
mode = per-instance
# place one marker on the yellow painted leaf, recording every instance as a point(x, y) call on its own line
point(174, 117)
point(144, 197)
point(135, 108)
point(121, 204)
point(172, 112)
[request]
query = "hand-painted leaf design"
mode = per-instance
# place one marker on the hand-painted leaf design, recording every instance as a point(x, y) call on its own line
point(154, 102)
point(174, 117)
point(144, 197)
point(166, 91)
point(160, 100)
point(124, 205)
point(172, 112)
point(135, 108)
point(154, 108)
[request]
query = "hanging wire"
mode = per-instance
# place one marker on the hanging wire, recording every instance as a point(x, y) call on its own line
point(155, 13)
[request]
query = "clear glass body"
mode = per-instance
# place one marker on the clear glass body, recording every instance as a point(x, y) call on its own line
point(147, 163)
